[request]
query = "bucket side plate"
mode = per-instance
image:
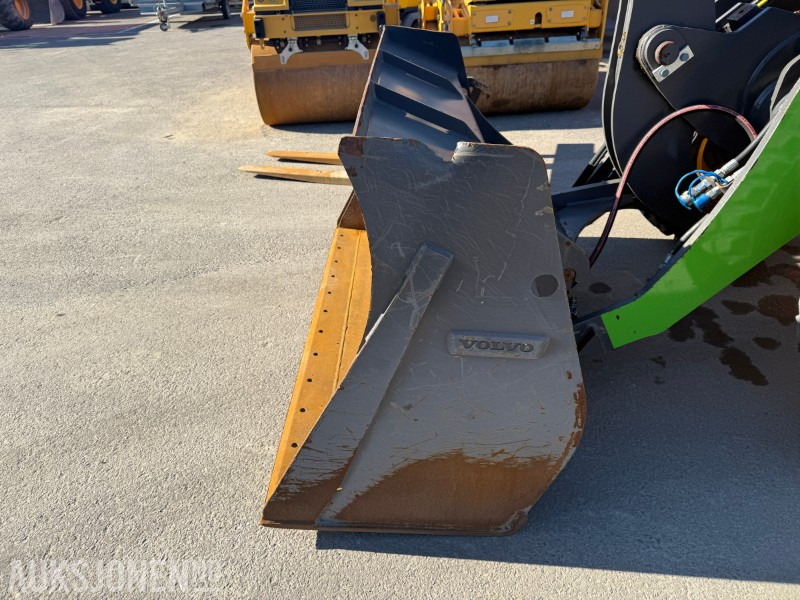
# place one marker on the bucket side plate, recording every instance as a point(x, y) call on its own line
point(466, 398)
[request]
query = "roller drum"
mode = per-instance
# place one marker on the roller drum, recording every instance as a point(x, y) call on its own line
point(536, 86)
point(312, 87)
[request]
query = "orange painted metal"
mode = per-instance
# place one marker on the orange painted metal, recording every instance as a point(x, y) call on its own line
point(337, 325)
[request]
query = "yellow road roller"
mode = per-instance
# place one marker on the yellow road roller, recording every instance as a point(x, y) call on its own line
point(311, 58)
point(525, 56)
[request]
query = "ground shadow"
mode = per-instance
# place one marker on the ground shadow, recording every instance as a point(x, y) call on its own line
point(96, 30)
point(211, 21)
point(338, 128)
point(104, 30)
point(684, 468)
point(566, 163)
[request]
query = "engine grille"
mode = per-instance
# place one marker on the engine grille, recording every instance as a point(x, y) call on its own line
point(313, 22)
point(318, 5)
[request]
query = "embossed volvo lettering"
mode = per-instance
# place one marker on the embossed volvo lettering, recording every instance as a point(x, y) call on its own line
point(496, 345)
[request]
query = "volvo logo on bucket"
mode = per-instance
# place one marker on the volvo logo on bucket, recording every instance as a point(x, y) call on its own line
point(496, 345)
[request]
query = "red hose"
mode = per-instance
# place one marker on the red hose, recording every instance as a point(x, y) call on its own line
point(612, 214)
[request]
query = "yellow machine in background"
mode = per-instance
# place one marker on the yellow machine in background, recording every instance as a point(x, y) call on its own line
point(531, 55)
point(311, 58)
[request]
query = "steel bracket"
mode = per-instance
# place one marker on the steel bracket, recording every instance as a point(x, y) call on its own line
point(290, 50)
point(356, 46)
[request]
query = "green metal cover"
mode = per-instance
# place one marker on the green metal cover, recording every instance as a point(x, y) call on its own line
point(760, 214)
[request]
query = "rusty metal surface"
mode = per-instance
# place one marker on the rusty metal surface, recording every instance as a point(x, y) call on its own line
point(435, 441)
point(535, 86)
point(313, 87)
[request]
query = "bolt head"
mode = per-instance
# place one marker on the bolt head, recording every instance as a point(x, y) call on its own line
point(665, 72)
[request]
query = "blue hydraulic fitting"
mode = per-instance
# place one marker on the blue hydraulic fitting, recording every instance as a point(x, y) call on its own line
point(705, 188)
point(701, 201)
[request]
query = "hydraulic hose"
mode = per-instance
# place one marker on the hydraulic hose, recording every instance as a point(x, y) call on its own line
point(612, 214)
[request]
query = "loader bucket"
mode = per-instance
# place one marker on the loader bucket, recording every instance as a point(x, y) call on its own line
point(439, 390)
point(312, 87)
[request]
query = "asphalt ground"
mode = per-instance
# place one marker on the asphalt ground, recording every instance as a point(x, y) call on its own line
point(154, 303)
